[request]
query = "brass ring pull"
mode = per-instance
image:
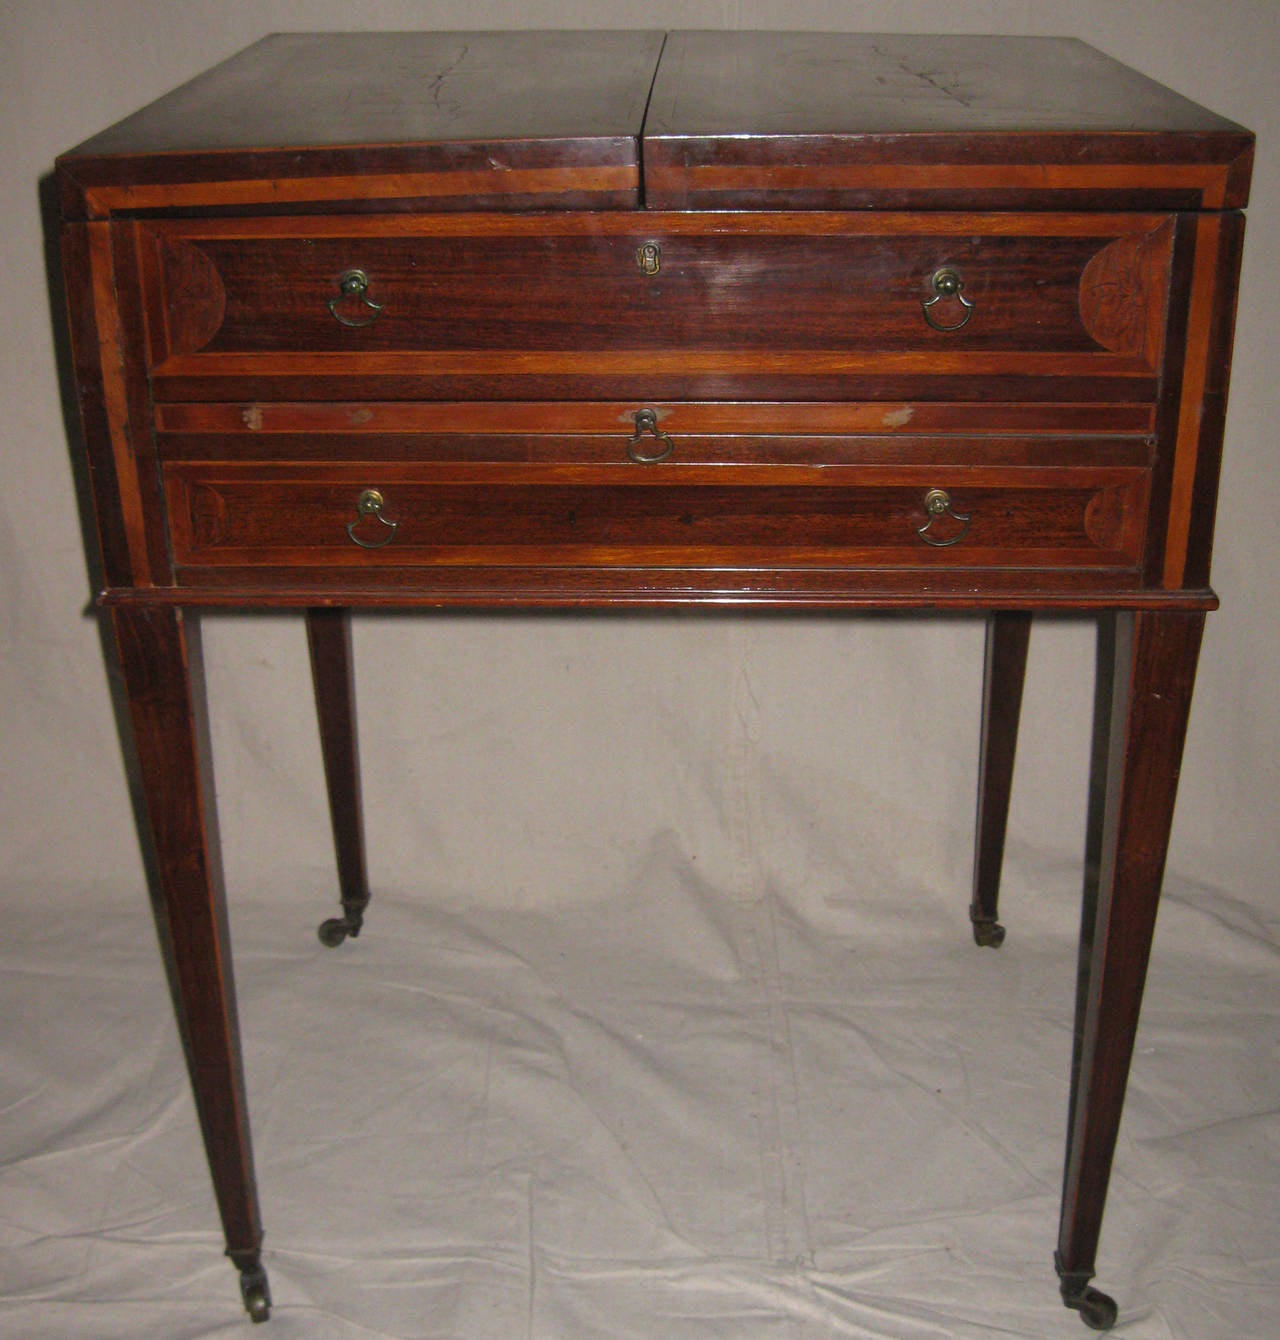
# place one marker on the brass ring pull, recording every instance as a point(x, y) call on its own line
point(647, 422)
point(371, 503)
point(937, 502)
point(354, 285)
point(947, 284)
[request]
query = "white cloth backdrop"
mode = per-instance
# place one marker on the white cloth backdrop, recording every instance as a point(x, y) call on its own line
point(666, 1021)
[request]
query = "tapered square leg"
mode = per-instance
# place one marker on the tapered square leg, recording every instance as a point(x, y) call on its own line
point(329, 640)
point(1004, 672)
point(1147, 665)
point(160, 661)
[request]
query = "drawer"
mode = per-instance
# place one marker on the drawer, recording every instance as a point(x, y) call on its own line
point(1065, 308)
point(727, 432)
point(381, 516)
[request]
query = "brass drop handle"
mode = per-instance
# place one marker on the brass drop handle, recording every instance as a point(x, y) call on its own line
point(647, 422)
point(370, 504)
point(946, 283)
point(937, 503)
point(353, 288)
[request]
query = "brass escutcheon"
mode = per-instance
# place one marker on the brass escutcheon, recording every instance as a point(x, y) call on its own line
point(649, 258)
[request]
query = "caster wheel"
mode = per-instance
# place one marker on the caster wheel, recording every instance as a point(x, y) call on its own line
point(333, 932)
point(256, 1303)
point(1097, 1310)
point(989, 934)
point(255, 1292)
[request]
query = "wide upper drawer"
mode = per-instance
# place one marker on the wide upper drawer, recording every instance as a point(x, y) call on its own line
point(930, 306)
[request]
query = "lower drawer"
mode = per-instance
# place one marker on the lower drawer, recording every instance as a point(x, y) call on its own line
point(370, 516)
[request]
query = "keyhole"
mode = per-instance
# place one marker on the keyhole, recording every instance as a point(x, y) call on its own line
point(649, 258)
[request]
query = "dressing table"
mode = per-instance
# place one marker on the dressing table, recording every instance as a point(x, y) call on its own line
point(586, 320)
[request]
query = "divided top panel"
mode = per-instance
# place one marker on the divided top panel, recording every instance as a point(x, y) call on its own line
point(385, 120)
point(354, 122)
point(755, 120)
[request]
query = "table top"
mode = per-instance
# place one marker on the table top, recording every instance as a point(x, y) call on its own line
point(767, 104)
point(801, 83)
point(304, 89)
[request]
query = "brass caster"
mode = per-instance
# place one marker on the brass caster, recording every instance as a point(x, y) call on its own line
point(256, 1293)
point(987, 932)
point(1097, 1310)
point(333, 931)
point(257, 1305)
point(336, 929)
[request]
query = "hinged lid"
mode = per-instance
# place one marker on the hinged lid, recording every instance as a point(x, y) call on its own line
point(737, 120)
point(754, 120)
point(505, 120)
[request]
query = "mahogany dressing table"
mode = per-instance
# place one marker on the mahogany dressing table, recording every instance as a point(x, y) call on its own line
point(585, 320)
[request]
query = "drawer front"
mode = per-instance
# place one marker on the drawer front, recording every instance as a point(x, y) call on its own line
point(386, 516)
point(967, 307)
